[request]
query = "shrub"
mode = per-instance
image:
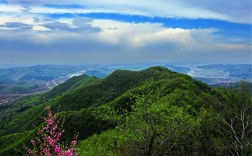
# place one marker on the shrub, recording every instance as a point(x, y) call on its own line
point(48, 142)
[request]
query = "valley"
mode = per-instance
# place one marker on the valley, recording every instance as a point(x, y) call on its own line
point(17, 82)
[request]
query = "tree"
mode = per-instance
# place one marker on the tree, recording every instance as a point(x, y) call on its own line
point(153, 126)
point(237, 120)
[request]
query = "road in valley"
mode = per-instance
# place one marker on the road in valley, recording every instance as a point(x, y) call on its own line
point(62, 79)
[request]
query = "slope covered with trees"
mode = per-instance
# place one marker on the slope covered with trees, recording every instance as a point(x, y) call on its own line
point(150, 112)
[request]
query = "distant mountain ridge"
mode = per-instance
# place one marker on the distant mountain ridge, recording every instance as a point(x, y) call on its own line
point(40, 77)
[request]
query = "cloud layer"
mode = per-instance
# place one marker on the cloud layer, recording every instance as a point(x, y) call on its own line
point(39, 32)
point(214, 9)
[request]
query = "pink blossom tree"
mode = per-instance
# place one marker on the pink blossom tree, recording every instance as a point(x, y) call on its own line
point(48, 143)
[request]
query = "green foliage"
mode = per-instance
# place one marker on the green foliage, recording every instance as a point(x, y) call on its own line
point(236, 117)
point(149, 112)
point(106, 144)
point(153, 126)
point(84, 123)
point(209, 139)
point(72, 83)
point(13, 144)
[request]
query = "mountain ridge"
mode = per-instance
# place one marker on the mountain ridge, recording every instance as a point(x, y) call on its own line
point(80, 96)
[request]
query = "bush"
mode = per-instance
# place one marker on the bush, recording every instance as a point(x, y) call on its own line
point(48, 141)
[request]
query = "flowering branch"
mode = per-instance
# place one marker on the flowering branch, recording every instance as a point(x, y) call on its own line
point(48, 141)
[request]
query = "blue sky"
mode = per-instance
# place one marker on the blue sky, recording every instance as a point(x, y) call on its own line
point(130, 31)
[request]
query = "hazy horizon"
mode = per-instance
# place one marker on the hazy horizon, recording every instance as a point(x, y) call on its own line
point(126, 65)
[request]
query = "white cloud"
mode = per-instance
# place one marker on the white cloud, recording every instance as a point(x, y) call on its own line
point(160, 8)
point(136, 8)
point(16, 17)
point(120, 42)
point(6, 8)
point(236, 10)
point(139, 35)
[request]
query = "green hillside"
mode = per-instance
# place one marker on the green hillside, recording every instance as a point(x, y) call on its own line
point(150, 112)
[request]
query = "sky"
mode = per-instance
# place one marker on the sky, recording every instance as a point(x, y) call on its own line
point(125, 32)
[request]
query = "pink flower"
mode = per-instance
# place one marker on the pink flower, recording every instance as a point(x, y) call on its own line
point(55, 127)
point(68, 153)
point(50, 135)
point(74, 142)
point(30, 152)
point(46, 151)
point(50, 122)
point(50, 140)
point(33, 142)
point(58, 136)
point(57, 149)
point(51, 132)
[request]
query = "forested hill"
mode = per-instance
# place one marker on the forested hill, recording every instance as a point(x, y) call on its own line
point(150, 112)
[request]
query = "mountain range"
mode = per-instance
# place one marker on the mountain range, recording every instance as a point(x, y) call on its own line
point(184, 112)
